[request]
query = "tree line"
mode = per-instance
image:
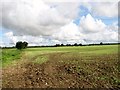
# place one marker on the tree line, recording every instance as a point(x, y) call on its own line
point(22, 45)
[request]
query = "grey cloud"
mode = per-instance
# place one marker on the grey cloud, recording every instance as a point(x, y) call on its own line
point(33, 17)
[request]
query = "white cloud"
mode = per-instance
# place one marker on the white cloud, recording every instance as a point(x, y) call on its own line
point(36, 40)
point(9, 34)
point(105, 36)
point(106, 9)
point(91, 25)
point(67, 9)
point(11, 37)
point(71, 33)
point(114, 26)
point(68, 32)
point(46, 23)
point(81, 1)
point(2, 44)
point(32, 40)
point(95, 30)
point(35, 17)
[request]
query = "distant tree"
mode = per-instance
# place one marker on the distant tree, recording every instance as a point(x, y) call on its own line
point(25, 44)
point(21, 45)
point(57, 45)
point(68, 45)
point(62, 44)
point(75, 44)
point(101, 43)
point(80, 44)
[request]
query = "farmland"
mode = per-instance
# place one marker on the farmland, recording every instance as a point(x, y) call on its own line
point(61, 67)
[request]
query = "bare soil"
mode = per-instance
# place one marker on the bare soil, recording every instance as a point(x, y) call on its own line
point(54, 74)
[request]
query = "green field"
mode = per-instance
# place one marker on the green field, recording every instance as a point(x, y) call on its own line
point(81, 66)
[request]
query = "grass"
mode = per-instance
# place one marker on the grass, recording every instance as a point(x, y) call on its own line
point(87, 49)
point(10, 55)
point(40, 59)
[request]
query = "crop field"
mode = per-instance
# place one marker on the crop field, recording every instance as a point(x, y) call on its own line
point(61, 67)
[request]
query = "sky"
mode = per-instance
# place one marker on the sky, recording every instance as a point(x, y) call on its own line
point(50, 22)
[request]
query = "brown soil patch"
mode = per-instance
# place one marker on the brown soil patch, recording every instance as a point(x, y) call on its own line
point(54, 74)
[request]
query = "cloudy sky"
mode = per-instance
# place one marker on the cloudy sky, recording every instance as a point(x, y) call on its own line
point(49, 22)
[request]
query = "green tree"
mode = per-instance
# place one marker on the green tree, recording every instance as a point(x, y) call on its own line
point(21, 45)
point(25, 44)
point(75, 44)
point(101, 43)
